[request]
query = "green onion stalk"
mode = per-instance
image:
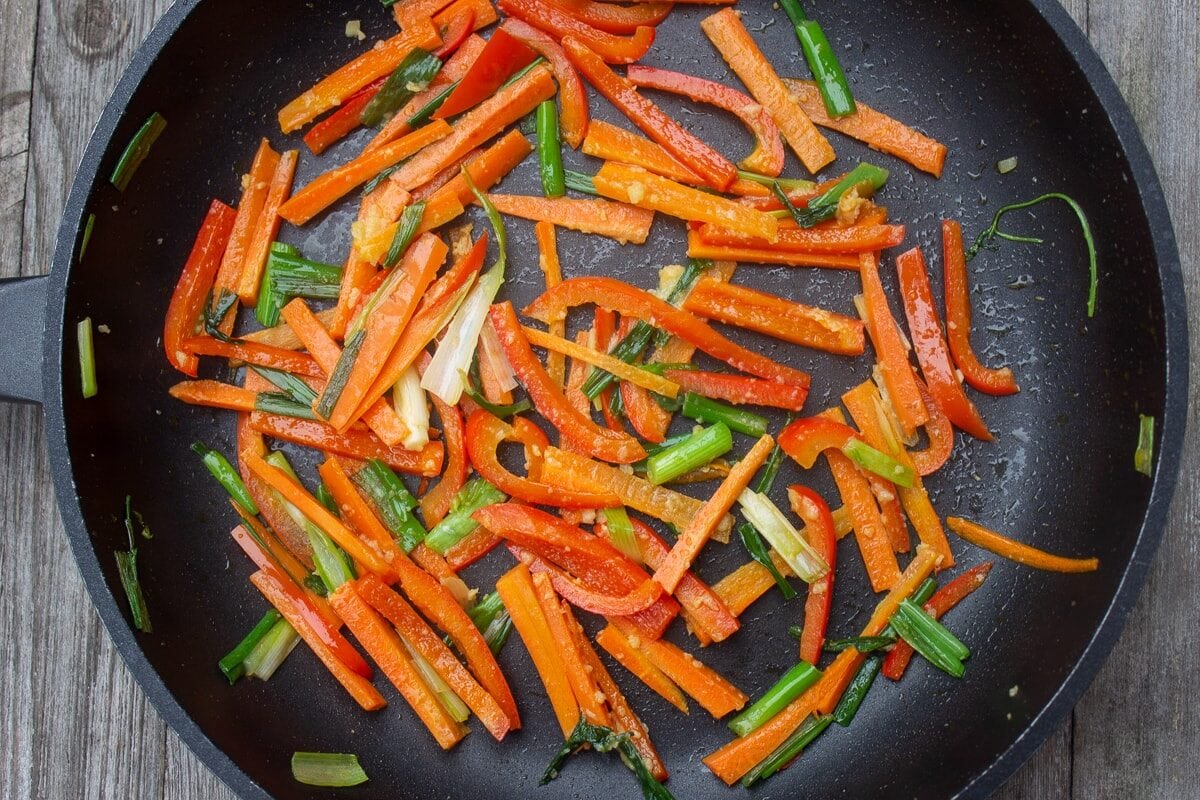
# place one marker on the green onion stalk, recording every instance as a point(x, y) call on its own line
point(697, 450)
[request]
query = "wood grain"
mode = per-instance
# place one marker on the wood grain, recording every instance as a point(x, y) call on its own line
point(74, 725)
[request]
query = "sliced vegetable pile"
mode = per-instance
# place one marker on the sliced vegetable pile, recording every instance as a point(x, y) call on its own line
point(416, 365)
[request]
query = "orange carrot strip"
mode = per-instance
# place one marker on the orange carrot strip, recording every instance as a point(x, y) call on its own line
point(620, 221)
point(377, 62)
point(700, 527)
point(707, 617)
point(407, 13)
point(277, 562)
point(355, 443)
point(582, 684)
point(726, 31)
point(739, 589)
point(214, 394)
point(832, 239)
point(698, 248)
point(1016, 551)
point(255, 187)
point(267, 228)
point(355, 509)
point(519, 596)
point(874, 128)
point(643, 669)
point(484, 12)
point(890, 349)
point(715, 695)
point(621, 369)
point(259, 354)
point(547, 239)
point(335, 184)
point(282, 336)
point(366, 695)
point(381, 641)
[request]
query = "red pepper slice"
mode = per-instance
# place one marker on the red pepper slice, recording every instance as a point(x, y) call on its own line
point(191, 292)
point(461, 25)
point(614, 18)
point(485, 434)
point(574, 115)
point(617, 447)
point(553, 20)
point(768, 155)
point(822, 535)
point(942, 601)
point(330, 130)
point(630, 301)
point(435, 505)
point(738, 389)
point(807, 438)
point(958, 318)
point(891, 351)
point(502, 58)
point(933, 355)
point(580, 596)
point(941, 437)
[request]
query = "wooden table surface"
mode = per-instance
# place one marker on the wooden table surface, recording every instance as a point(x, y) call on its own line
point(72, 720)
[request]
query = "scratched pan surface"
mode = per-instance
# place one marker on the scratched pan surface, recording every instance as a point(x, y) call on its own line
point(991, 80)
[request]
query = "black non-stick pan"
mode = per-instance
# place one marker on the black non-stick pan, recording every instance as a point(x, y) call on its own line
point(993, 80)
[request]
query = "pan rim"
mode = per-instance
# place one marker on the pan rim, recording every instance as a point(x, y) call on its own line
point(1003, 765)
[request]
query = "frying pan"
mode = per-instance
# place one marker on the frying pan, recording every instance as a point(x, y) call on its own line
point(991, 80)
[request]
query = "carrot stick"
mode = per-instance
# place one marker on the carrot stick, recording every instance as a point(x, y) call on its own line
point(739, 589)
point(471, 548)
point(355, 443)
point(484, 12)
point(715, 695)
point(411, 12)
point(622, 370)
point(726, 31)
point(389, 653)
point(431, 647)
point(267, 227)
point(256, 185)
point(355, 510)
point(377, 62)
point(620, 221)
point(700, 528)
point(258, 354)
point(282, 336)
point(358, 687)
point(582, 684)
point(547, 239)
point(890, 349)
point(634, 660)
point(214, 394)
point(277, 562)
point(554, 20)
point(1013, 550)
point(517, 591)
point(833, 239)
point(335, 184)
point(874, 128)
point(645, 189)
point(698, 248)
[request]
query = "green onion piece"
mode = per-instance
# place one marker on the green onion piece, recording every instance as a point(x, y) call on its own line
point(867, 177)
point(293, 386)
point(579, 182)
point(426, 111)
point(879, 463)
point(503, 411)
point(232, 665)
point(332, 564)
point(497, 631)
point(326, 498)
point(930, 638)
point(383, 175)
point(87, 235)
point(87, 358)
point(282, 405)
point(1006, 165)
point(327, 769)
point(550, 163)
point(406, 231)
point(128, 571)
point(697, 450)
point(394, 502)
point(766, 517)
point(603, 740)
point(486, 610)
point(753, 542)
point(847, 707)
point(287, 275)
point(771, 468)
point(823, 62)
point(341, 374)
point(621, 533)
point(1143, 457)
point(863, 644)
point(790, 184)
point(987, 235)
point(453, 704)
point(793, 684)
point(137, 150)
point(271, 651)
point(220, 468)
point(791, 747)
point(414, 74)
point(215, 311)
point(458, 524)
point(492, 619)
point(707, 410)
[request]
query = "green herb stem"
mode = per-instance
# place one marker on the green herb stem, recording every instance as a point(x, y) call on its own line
point(793, 684)
point(880, 463)
point(827, 72)
point(930, 638)
point(219, 467)
point(414, 74)
point(791, 747)
point(458, 524)
point(137, 150)
point(1143, 457)
point(848, 706)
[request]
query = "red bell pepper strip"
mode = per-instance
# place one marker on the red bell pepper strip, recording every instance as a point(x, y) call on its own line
point(890, 349)
point(768, 155)
point(460, 27)
point(738, 389)
point(191, 292)
point(471, 548)
point(503, 57)
point(710, 165)
point(354, 443)
point(330, 130)
point(256, 542)
point(958, 319)
point(805, 439)
point(941, 438)
point(262, 355)
point(821, 534)
point(485, 434)
point(581, 596)
point(629, 301)
point(435, 505)
point(776, 316)
point(614, 446)
point(614, 18)
point(574, 116)
point(554, 21)
point(891, 512)
point(932, 352)
point(944, 599)
point(648, 419)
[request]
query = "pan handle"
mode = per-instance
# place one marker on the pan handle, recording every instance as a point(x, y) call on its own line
point(22, 328)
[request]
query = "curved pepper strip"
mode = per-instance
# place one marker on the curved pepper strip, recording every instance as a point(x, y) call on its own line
point(614, 18)
point(435, 505)
point(580, 596)
point(631, 301)
point(941, 437)
point(768, 155)
point(617, 447)
point(822, 535)
point(738, 389)
point(805, 439)
point(502, 57)
point(944, 599)
point(932, 352)
point(460, 27)
point(958, 318)
point(553, 20)
point(574, 116)
point(191, 292)
point(484, 435)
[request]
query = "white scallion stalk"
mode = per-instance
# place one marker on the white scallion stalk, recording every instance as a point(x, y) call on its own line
point(491, 352)
point(621, 533)
point(409, 399)
point(271, 651)
point(787, 541)
point(453, 704)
